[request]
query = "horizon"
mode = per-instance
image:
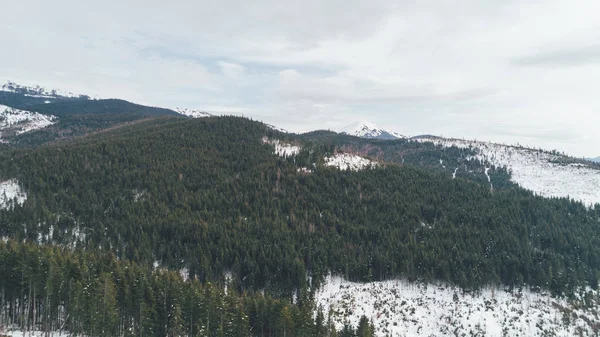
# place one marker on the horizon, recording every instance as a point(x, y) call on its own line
point(503, 72)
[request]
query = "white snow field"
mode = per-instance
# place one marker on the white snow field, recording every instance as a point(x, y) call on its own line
point(11, 190)
point(345, 161)
point(541, 172)
point(401, 308)
point(282, 149)
point(21, 121)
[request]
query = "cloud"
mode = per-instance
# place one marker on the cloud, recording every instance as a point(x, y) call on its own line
point(495, 70)
point(568, 57)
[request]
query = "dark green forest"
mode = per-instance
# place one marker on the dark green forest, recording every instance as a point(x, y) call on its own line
point(209, 196)
point(96, 294)
point(117, 210)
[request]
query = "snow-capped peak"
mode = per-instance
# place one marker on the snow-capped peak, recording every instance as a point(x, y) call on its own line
point(194, 113)
point(369, 130)
point(38, 91)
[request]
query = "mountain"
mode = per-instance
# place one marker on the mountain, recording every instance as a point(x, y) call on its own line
point(597, 159)
point(40, 92)
point(227, 226)
point(369, 130)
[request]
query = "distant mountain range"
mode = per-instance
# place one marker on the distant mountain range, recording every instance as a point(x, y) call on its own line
point(597, 159)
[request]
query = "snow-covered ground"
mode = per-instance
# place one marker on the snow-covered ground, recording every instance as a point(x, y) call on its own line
point(9, 190)
point(542, 172)
point(20, 121)
point(401, 308)
point(282, 149)
point(192, 112)
point(345, 161)
point(20, 333)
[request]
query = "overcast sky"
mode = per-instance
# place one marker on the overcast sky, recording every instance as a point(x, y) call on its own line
point(508, 71)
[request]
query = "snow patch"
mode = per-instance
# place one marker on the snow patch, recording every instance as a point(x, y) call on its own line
point(541, 172)
point(194, 113)
point(401, 308)
point(345, 161)
point(282, 149)
point(16, 332)
point(11, 192)
point(17, 121)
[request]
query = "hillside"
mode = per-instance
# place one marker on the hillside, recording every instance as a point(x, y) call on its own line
point(221, 198)
point(150, 191)
point(548, 174)
point(54, 117)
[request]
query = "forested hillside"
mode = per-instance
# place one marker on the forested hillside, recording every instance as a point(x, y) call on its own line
point(73, 116)
point(95, 294)
point(209, 196)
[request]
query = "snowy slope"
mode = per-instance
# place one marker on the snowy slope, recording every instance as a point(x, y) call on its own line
point(369, 130)
point(344, 161)
point(192, 112)
point(15, 121)
point(401, 308)
point(10, 191)
point(544, 173)
point(282, 149)
point(38, 91)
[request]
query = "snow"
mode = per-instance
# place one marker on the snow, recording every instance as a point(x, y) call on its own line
point(305, 170)
point(273, 127)
point(21, 121)
point(21, 333)
point(541, 172)
point(38, 91)
point(282, 149)
point(11, 190)
point(345, 161)
point(366, 129)
point(192, 112)
point(402, 308)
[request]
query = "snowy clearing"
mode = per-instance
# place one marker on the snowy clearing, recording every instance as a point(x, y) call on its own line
point(401, 308)
point(282, 149)
point(194, 113)
point(17, 121)
point(345, 161)
point(543, 173)
point(10, 191)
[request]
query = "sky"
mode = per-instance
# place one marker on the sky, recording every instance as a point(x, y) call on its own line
point(515, 72)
